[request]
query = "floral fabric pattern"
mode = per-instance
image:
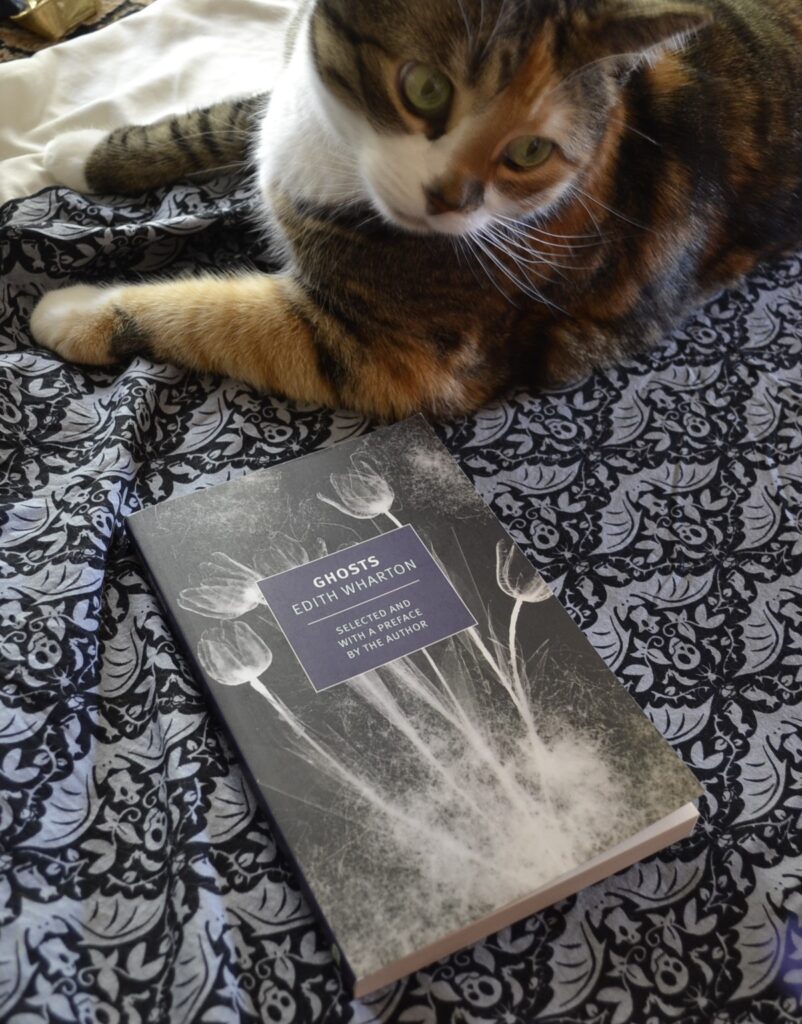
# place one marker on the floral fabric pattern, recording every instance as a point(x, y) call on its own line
point(139, 881)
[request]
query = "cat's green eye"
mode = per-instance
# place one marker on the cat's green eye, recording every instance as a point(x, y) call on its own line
point(426, 91)
point(528, 151)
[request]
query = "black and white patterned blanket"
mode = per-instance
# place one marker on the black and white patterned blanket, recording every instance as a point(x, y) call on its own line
point(138, 881)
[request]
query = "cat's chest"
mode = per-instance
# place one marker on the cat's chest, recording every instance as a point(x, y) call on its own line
point(298, 151)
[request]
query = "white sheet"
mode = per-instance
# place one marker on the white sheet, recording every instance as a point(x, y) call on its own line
point(175, 54)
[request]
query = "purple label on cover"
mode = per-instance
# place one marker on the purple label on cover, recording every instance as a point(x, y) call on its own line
point(363, 607)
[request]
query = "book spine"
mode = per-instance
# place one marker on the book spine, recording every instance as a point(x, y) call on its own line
point(346, 972)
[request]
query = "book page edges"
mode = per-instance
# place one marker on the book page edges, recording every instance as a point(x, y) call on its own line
point(668, 830)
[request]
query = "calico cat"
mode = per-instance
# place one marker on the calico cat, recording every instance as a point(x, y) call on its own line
point(468, 195)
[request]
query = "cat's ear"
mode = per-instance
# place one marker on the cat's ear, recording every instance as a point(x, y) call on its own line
point(639, 28)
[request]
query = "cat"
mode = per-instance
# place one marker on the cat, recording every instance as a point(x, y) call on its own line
point(468, 195)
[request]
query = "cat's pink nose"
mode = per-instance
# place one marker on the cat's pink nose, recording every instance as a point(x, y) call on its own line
point(453, 197)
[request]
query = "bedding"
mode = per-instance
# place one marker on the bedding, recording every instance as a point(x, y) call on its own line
point(174, 54)
point(16, 42)
point(662, 498)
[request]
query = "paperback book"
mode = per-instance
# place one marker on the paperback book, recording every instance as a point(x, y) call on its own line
point(437, 746)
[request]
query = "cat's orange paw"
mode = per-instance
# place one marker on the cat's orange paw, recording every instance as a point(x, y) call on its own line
point(78, 322)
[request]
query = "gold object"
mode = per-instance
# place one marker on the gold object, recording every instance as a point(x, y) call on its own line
point(53, 19)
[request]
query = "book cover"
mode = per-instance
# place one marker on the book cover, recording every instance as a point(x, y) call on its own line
point(438, 747)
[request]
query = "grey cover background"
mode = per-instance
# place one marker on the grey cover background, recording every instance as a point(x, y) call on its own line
point(383, 891)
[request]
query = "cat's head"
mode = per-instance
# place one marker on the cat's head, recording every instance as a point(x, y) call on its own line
point(461, 112)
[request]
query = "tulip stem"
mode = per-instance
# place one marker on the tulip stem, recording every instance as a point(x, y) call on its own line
point(516, 678)
point(363, 787)
point(538, 746)
point(374, 691)
point(515, 692)
point(479, 743)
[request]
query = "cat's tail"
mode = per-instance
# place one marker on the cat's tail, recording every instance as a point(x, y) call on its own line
point(136, 158)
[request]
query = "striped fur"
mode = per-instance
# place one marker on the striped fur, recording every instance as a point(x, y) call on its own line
point(677, 166)
point(140, 157)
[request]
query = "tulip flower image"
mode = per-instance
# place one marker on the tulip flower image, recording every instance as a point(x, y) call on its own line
point(363, 493)
point(228, 591)
point(285, 553)
point(525, 585)
point(233, 654)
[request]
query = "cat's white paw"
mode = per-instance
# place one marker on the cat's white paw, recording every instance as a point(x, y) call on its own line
point(65, 157)
point(77, 322)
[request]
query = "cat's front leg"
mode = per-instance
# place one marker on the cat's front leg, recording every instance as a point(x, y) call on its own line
point(244, 327)
point(265, 330)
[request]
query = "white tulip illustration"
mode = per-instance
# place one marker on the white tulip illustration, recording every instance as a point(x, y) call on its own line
point(228, 590)
point(233, 654)
point(526, 588)
point(285, 553)
point(363, 493)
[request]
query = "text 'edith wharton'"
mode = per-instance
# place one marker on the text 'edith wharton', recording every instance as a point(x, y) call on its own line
point(352, 579)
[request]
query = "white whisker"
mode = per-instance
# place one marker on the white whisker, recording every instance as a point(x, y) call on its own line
point(610, 209)
point(369, 220)
point(471, 249)
point(468, 32)
point(520, 261)
point(525, 286)
point(528, 225)
point(636, 131)
point(524, 241)
point(617, 57)
point(588, 211)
